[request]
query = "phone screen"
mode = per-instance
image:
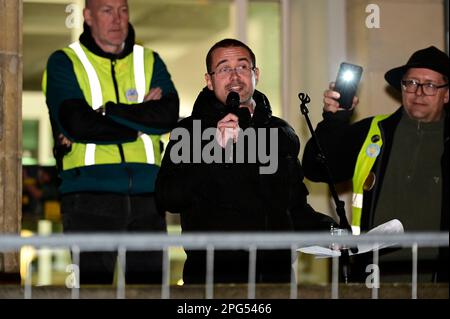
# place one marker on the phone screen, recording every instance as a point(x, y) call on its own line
point(347, 82)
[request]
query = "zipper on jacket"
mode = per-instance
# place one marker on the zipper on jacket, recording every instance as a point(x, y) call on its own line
point(113, 73)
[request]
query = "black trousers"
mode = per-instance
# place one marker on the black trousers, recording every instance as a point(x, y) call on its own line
point(109, 212)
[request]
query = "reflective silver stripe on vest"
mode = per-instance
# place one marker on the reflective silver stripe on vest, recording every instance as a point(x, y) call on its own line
point(94, 82)
point(148, 148)
point(357, 200)
point(356, 230)
point(96, 95)
point(139, 78)
point(97, 99)
point(139, 72)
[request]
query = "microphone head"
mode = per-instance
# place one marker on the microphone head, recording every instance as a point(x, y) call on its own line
point(233, 100)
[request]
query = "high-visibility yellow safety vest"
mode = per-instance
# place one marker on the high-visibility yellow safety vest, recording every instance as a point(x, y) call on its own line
point(133, 75)
point(366, 158)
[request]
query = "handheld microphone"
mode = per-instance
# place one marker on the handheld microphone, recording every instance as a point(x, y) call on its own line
point(233, 101)
point(233, 106)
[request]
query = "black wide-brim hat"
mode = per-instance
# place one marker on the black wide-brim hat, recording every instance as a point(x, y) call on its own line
point(430, 58)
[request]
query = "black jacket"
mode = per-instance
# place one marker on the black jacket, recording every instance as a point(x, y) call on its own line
point(341, 143)
point(236, 197)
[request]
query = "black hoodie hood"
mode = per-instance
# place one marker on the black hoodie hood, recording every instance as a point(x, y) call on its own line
point(207, 107)
point(88, 41)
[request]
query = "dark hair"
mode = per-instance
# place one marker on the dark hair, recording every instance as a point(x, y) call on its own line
point(226, 43)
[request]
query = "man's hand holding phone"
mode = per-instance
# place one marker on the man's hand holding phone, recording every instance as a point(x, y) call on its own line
point(342, 93)
point(330, 100)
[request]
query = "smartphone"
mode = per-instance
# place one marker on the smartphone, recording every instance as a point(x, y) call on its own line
point(347, 82)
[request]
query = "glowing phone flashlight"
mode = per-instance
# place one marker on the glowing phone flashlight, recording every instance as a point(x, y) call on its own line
point(347, 81)
point(348, 76)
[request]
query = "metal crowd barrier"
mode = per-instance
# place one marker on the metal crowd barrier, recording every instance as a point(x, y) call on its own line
point(212, 241)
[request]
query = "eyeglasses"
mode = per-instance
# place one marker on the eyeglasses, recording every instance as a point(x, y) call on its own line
point(226, 71)
point(411, 86)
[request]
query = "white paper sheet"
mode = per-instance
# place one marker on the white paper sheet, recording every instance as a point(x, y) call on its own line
point(393, 226)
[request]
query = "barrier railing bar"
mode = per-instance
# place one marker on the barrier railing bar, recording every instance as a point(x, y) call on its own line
point(122, 259)
point(28, 282)
point(335, 278)
point(151, 241)
point(414, 271)
point(376, 273)
point(212, 241)
point(209, 271)
point(251, 286)
point(75, 273)
point(293, 293)
point(165, 289)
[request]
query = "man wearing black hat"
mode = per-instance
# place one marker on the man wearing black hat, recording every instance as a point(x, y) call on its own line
point(398, 163)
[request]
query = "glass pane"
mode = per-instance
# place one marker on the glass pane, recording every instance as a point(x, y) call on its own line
point(264, 39)
point(30, 140)
point(41, 36)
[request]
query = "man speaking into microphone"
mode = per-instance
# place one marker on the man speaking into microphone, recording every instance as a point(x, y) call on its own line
point(235, 196)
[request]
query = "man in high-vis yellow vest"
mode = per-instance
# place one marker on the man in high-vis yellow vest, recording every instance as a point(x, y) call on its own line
point(109, 101)
point(398, 163)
